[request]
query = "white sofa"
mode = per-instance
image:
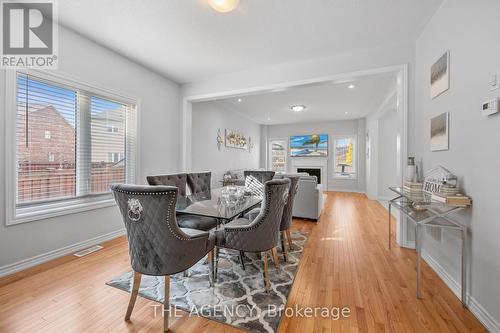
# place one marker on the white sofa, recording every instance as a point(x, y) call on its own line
point(309, 199)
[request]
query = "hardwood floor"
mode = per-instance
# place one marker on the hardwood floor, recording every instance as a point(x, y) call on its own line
point(346, 263)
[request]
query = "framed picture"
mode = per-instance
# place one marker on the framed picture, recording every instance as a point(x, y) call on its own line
point(440, 75)
point(440, 132)
point(235, 139)
point(314, 145)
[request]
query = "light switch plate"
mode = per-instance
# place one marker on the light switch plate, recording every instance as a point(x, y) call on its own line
point(495, 81)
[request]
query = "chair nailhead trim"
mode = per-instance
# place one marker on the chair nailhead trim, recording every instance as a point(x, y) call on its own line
point(144, 193)
point(169, 210)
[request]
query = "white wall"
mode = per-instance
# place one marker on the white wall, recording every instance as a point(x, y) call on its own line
point(470, 30)
point(207, 118)
point(387, 154)
point(88, 62)
point(332, 128)
point(383, 127)
point(372, 158)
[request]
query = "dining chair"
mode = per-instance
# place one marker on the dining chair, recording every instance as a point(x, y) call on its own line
point(286, 220)
point(261, 175)
point(183, 220)
point(178, 180)
point(255, 180)
point(260, 235)
point(199, 182)
point(157, 246)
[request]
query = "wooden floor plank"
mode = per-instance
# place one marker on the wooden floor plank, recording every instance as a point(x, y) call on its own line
point(345, 263)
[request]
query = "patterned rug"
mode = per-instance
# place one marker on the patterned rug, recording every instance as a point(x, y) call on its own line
point(238, 297)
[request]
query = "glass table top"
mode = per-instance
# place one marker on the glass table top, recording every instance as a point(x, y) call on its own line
point(223, 203)
point(420, 206)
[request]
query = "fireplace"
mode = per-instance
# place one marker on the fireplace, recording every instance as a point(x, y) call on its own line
point(312, 172)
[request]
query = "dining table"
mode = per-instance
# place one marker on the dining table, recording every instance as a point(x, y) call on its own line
point(223, 203)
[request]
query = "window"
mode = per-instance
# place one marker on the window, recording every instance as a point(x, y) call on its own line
point(45, 170)
point(345, 156)
point(82, 157)
point(104, 144)
point(277, 154)
point(115, 157)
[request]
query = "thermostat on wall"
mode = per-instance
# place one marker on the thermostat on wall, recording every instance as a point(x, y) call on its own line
point(490, 107)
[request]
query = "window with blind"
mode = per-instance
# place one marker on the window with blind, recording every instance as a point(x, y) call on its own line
point(72, 143)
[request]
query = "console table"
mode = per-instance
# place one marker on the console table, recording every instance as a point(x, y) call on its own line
point(425, 212)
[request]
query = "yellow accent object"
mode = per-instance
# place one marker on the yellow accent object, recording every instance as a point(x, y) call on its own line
point(348, 156)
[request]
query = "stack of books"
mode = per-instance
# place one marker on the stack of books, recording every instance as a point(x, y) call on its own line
point(412, 187)
point(456, 199)
point(448, 191)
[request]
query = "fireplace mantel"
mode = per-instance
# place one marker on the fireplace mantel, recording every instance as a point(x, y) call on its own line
point(312, 162)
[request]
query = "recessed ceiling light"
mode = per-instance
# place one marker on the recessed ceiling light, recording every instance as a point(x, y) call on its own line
point(239, 100)
point(297, 108)
point(224, 6)
point(346, 112)
point(351, 86)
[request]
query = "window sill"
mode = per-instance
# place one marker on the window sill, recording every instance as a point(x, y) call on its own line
point(67, 207)
point(345, 177)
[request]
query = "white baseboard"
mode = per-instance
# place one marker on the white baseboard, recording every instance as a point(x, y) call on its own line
point(336, 189)
point(40, 259)
point(477, 310)
point(408, 244)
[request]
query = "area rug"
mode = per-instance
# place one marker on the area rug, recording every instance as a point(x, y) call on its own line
point(238, 297)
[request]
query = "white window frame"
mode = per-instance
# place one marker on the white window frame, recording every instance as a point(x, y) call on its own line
point(15, 215)
point(269, 150)
point(356, 155)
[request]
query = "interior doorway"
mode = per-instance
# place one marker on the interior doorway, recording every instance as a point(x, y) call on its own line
point(400, 110)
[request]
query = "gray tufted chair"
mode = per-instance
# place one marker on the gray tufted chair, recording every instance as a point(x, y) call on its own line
point(157, 246)
point(178, 180)
point(184, 220)
point(286, 220)
point(255, 180)
point(199, 182)
point(260, 175)
point(261, 234)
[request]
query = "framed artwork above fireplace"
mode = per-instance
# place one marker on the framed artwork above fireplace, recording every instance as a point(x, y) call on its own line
point(314, 145)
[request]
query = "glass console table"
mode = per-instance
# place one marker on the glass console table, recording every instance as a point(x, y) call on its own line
point(425, 212)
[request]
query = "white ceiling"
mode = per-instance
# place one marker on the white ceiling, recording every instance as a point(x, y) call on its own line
point(188, 41)
point(324, 102)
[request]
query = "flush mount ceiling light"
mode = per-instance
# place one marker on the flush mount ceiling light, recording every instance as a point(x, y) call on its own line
point(239, 100)
point(297, 108)
point(224, 6)
point(351, 86)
